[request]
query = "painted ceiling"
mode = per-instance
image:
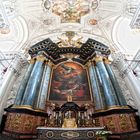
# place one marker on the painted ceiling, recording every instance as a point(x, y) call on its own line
point(26, 22)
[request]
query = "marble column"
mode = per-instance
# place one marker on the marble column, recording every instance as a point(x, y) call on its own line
point(9, 78)
point(97, 95)
point(43, 92)
point(115, 83)
point(109, 92)
point(32, 88)
point(23, 83)
point(99, 80)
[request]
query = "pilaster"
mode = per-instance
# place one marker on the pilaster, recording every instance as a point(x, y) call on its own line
point(9, 78)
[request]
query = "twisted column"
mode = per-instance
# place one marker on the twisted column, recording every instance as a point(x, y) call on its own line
point(43, 92)
point(97, 95)
point(115, 83)
point(23, 84)
point(32, 88)
point(109, 92)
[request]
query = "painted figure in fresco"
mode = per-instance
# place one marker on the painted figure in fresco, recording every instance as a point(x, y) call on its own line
point(69, 79)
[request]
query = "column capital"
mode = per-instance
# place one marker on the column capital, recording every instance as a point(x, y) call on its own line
point(46, 61)
point(98, 58)
point(40, 58)
point(32, 61)
point(50, 63)
point(107, 61)
point(88, 63)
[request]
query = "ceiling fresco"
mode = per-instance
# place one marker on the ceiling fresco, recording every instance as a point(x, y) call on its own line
point(70, 10)
point(33, 20)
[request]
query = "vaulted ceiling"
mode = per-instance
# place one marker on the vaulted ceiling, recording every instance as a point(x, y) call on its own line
point(23, 23)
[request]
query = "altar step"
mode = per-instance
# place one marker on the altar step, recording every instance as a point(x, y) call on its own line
point(135, 136)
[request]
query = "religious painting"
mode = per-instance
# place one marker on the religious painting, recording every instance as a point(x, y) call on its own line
point(69, 79)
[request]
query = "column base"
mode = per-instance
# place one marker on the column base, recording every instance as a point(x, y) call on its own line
point(22, 123)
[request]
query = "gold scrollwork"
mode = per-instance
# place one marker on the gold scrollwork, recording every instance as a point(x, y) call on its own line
point(32, 61)
point(107, 61)
point(16, 122)
point(124, 122)
point(133, 121)
point(110, 124)
point(28, 123)
point(40, 58)
point(98, 59)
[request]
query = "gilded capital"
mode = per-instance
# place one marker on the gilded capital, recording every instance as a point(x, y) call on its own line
point(46, 62)
point(50, 64)
point(98, 58)
point(32, 61)
point(88, 63)
point(40, 58)
point(107, 61)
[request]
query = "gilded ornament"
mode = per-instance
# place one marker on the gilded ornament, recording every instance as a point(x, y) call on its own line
point(69, 123)
point(70, 39)
point(107, 61)
point(110, 124)
point(123, 122)
point(28, 123)
point(98, 58)
point(93, 22)
point(32, 61)
point(70, 11)
point(16, 122)
point(40, 58)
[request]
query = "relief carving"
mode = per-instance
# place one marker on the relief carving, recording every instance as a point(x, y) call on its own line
point(124, 122)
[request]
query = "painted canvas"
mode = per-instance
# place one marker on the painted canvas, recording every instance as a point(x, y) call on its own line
point(69, 78)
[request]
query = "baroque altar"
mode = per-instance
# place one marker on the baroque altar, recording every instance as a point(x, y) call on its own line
point(71, 94)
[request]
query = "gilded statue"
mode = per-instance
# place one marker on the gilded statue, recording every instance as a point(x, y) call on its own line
point(69, 121)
